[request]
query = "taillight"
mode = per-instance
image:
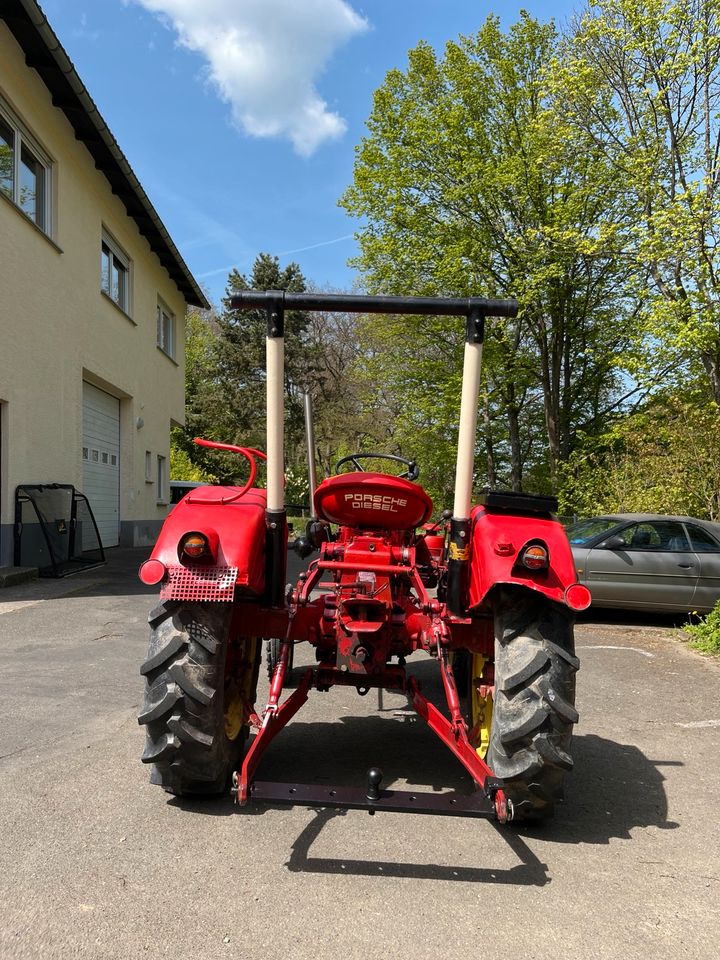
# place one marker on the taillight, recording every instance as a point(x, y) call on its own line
point(195, 546)
point(535, 557)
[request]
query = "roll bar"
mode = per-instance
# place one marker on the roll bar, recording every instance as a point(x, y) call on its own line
point(474, 309)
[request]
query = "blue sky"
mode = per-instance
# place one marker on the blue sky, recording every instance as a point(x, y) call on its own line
point(240, 117)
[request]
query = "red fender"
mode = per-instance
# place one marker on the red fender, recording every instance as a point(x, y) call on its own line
point(235, 529)
point(498, 538)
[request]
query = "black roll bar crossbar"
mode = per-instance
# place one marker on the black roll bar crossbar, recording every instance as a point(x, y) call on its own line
point(276, 301)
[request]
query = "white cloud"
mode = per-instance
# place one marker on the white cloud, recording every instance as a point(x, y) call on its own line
point(264, 56)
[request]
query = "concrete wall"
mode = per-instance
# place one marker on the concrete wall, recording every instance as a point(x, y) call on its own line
point(57, 328)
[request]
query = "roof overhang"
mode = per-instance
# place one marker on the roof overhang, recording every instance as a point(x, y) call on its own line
point(45, 54)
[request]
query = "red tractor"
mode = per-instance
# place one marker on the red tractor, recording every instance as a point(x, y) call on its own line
point(488, 591)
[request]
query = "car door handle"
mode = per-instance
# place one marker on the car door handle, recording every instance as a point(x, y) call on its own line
point(686, 566)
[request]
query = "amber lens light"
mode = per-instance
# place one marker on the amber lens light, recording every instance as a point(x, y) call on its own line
point(195, 545)
point(535, 557)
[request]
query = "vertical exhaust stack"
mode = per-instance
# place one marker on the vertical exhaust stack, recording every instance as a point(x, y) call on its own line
point(310, 443)
point(275, 514)
point(460, 529)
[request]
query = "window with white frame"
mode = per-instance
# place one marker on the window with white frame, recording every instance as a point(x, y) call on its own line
point(165, 329)
point(114, 273)
point(148, 467)
point(25, 170)
point(161, 488)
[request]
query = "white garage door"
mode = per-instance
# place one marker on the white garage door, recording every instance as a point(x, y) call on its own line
point(101, 460)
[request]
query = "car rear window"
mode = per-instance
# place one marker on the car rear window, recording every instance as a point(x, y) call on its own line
point(701, 541)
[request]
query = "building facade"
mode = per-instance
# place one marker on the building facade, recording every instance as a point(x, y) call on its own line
point(93, 296)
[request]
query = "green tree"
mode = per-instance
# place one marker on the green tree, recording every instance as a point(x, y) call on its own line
point(664, 458)
point(202, 399)
point(347, 416)
point(471, 182)
point(238, 369)
point(642, 78)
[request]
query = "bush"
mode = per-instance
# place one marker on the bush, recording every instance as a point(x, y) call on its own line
point(705, 635)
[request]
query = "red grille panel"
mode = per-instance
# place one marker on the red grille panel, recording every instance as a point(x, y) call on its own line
point(199, 583)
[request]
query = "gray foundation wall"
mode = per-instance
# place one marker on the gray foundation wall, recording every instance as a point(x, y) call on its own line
point(139, 533)
point(6, 545)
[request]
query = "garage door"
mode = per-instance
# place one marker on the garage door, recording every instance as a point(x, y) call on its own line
point(101, 460)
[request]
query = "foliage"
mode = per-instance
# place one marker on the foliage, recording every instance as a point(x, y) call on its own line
point(347, 418)
point(471, 182)
point(240, 358)
point(225, 373)
point(201, 401)
point(643, 80)
point(663, 459)
point(297, 487)
point(181, 466)
point(705, 635)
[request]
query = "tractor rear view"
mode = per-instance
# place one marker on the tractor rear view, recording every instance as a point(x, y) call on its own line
point(487, 591)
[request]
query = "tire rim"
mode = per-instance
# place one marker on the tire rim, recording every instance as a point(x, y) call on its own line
point(481, 708)
point(234, 711)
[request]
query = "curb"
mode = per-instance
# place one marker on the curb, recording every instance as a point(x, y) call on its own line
point(12, 576)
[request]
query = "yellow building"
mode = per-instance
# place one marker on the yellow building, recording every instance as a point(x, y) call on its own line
point(93, 296)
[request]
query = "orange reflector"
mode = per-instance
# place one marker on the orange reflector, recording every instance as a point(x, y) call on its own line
point(535, 557)
point(195, 545)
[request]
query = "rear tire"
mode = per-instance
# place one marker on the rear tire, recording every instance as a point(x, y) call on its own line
point(534, 708)
point(193, 710)
point(272, 655)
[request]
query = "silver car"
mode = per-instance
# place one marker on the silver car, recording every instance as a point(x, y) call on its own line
point(644, 561)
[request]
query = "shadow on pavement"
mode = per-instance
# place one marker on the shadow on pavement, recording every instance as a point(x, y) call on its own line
point(632, 618)
point(530, 871)
point(615, 789)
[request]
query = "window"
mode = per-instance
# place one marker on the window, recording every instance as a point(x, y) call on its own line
point(115, 273)
point(165, 329)
point(148, 467)
point(24, 171)
point(702, 542)
point(161, 479)
point(656, 535)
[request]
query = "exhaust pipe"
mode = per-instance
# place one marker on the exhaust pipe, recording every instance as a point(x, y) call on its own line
point(310, 443)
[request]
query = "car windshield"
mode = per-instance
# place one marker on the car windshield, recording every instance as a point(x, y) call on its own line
point(585, 530)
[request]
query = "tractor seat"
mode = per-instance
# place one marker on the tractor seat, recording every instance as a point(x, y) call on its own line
point(374, 500)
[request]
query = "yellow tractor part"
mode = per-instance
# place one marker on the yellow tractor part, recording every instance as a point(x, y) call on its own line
point(481, 708)
point(237, 696)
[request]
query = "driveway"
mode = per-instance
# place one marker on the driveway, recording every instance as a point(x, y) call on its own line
point(97, 863)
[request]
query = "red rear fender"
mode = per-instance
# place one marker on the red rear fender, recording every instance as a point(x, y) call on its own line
point(498, 538)
point(235, 531)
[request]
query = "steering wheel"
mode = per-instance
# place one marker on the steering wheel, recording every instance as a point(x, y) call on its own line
point(412, 472)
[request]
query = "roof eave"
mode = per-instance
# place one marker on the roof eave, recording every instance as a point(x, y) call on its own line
point(45, 54)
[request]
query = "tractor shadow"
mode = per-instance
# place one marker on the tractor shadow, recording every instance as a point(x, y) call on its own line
point(529, 871)
point(614, 789)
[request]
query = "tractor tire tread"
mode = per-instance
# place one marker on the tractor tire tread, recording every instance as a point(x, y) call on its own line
point(533, 711)
point(183, 708)
point(161, 704)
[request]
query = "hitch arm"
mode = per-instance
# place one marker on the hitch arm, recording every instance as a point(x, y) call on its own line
point(274, 719)
point(461, 747)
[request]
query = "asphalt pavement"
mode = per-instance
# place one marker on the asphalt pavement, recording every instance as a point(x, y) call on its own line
point(97, 863)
